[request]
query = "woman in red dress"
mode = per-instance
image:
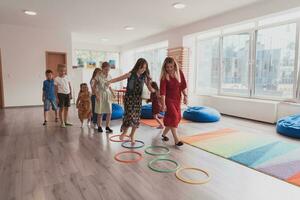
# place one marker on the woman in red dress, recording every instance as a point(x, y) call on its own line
point(172, 84)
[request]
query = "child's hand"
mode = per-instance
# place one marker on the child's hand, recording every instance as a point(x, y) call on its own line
point(98, 98)
point(70, 96)
point(164, 108)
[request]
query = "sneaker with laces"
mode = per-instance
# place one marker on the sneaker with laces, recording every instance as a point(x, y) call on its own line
point(68, 124)
point(63, 125)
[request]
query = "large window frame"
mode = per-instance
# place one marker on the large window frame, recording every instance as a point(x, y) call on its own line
point(253, 33)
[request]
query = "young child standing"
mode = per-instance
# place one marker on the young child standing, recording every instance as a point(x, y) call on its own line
point(84, 104)
point(49, 96)
point(93, 84)
point(133, 96)
point(155, 98)
point(63, 94)
point(104, 97)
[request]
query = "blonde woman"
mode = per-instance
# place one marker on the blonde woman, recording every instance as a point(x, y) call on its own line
point(172, 85)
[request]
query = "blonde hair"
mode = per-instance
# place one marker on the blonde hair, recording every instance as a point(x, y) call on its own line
point(61, 66)
point(164, 74)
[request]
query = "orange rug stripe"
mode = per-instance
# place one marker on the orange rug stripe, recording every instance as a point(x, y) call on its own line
point(295, 179)
point(153, 122)
point(207, 135)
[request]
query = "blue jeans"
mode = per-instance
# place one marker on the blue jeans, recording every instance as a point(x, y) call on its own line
point(94, 117)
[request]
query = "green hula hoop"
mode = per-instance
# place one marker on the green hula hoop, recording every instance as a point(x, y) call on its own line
point(163, 170)
point(157, 147)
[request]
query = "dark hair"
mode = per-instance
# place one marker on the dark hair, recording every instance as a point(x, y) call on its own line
point(105, 64)
point(82, 84)
point(154, 85)
point(95, 73)
point(140, 63)
point(48, 71)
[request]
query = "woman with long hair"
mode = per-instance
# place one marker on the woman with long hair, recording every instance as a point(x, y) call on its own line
point(172, 85)
point(133, 96)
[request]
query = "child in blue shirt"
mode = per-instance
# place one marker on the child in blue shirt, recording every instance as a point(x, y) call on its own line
point(49, 98)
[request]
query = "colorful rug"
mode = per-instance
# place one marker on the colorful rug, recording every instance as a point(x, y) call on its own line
point(266, 154)
point(153, 122)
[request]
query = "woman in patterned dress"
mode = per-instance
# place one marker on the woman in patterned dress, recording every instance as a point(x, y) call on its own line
point(172, 85)
point(133, 96)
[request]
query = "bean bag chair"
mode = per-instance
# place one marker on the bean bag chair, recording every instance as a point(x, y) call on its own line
point(201, 114)
point(146, 112)
point(117, 112)
point(289, 126)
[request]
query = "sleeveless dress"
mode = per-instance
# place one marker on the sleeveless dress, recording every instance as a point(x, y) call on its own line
point(133, 101)
point(84, 107)
point(105, 104)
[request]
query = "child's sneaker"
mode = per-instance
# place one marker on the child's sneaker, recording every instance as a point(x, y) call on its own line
point(63, 125)
point(68, 124)
point(100, 130)
point(45, 123)
point(108, 130)
point(95, 126)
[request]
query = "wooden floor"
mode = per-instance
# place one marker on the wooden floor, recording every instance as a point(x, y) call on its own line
point(51, 163)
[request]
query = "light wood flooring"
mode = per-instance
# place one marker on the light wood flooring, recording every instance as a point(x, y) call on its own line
point(51, 163)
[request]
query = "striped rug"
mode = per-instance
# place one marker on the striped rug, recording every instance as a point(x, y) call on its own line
point(266, 154)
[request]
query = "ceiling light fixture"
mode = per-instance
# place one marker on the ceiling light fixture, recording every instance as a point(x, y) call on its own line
point(129, 28)
point(179, 5)
point(29, 12)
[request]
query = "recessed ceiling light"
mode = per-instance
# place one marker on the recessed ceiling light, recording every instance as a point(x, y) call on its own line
point(104, 39)
point(179, 5)
point(129, 28)
point(29, 12)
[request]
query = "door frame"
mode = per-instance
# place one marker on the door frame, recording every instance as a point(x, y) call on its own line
point(55, 52)
point(1, 84)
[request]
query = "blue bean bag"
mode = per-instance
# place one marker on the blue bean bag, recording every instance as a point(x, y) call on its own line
point(289, 126)
point(201, 114)
point(117, 112)
point(146, 112)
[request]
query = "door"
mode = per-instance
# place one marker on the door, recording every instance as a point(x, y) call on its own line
point(1, 85)
point(53, 59)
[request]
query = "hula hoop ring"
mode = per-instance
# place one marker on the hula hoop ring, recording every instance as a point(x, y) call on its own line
point(157, 147)
point(116, 157)
point(190, 181)
point(150, 165)
point(111, 138)
point(133, 147)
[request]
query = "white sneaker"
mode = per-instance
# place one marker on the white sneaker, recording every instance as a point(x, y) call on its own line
point(95, 126)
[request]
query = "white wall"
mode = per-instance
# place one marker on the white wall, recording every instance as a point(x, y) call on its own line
point(24, 61)
point(175, 36)
point(183, 36)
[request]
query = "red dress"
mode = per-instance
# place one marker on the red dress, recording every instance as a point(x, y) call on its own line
point(172, 89)
point(155, 104)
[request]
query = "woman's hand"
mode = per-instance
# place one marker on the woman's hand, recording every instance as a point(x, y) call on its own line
point(185, 99)
point(164, 107)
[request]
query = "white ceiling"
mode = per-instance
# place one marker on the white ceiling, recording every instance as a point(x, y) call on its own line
point(92, 20)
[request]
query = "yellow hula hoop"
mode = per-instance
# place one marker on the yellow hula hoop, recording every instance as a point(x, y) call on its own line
point(189, 181)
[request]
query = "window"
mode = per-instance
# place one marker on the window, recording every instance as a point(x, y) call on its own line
point(235, 59)
point(275, 61)
point(155, 59)
point(255, 59)
point(208, 58)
